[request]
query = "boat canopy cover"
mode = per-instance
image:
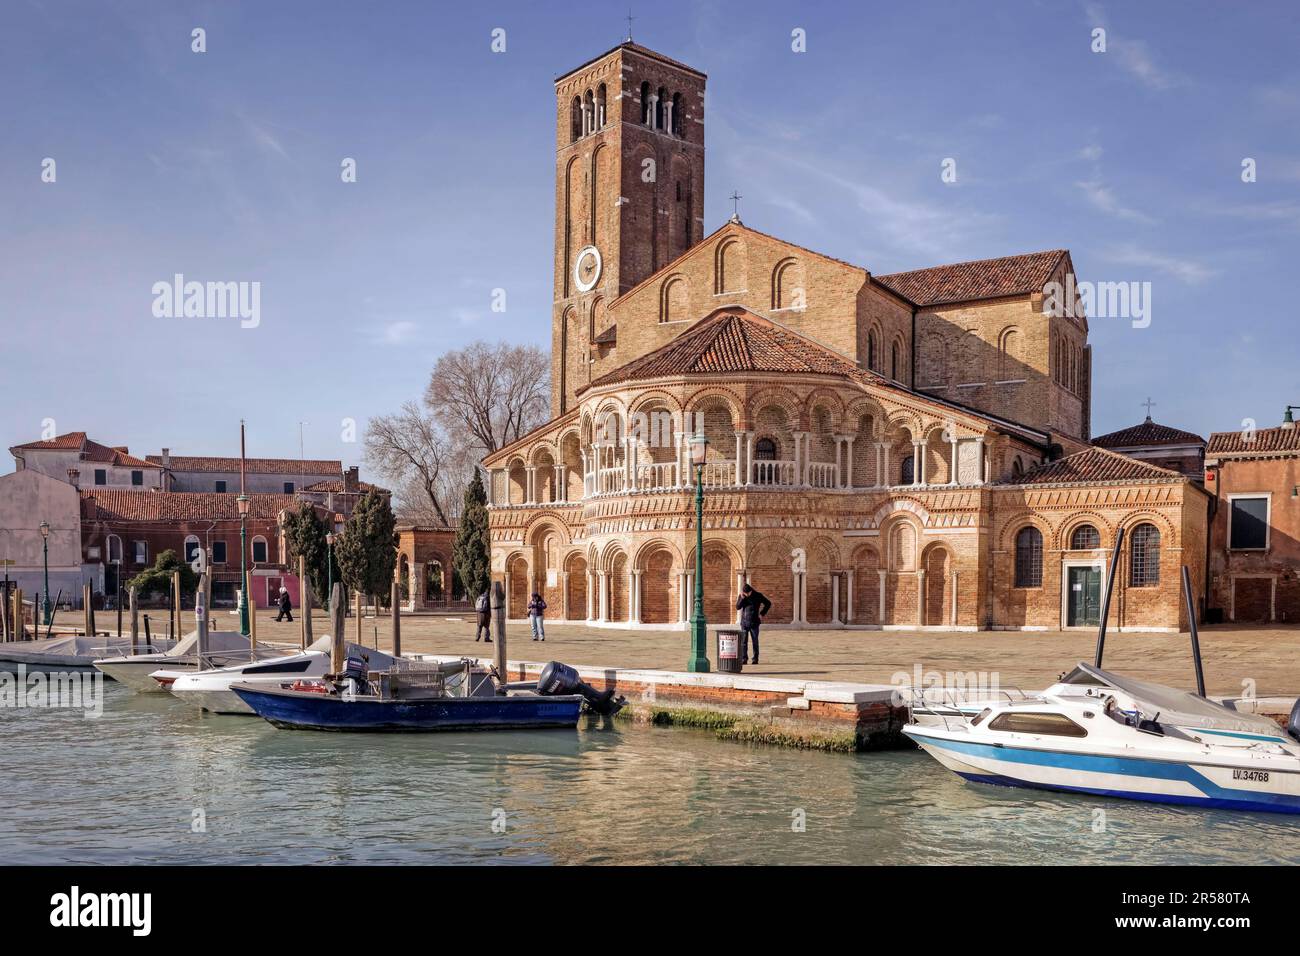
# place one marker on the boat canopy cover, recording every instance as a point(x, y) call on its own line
point(1176, 707)
point(75, 645)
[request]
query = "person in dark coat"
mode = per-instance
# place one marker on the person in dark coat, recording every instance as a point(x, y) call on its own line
point(286, 606)
point(753, 607)
point(536, 611)
point(483, 609)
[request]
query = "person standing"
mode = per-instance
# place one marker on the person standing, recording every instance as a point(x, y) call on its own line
point(753, 607)
point(286, 606)
point(483, 610)
point(536, 610)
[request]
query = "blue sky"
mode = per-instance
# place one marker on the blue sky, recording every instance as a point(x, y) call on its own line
point(226, 166)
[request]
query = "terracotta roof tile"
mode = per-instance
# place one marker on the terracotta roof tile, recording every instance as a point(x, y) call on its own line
point(335, 485)
point(126, 505)
point(1091, 466)
point(1148, 433)
point(257, 466)
point(1264, 441)
point(733, 340)
point(72, 441)
point(90, 449)
point(982, 279)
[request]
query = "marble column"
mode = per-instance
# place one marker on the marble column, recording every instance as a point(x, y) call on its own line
point(881, 605)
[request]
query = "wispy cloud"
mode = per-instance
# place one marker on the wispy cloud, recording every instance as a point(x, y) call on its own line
point(1103, 197)
point(396, 333)
point(1133, 55)
point(1185, 270)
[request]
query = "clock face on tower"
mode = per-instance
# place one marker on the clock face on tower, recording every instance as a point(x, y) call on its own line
point(586, 269)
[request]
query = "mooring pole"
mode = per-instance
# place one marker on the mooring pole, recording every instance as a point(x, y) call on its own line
point(499, 618)
point(135, 622)
point(1191, 624)
point(86, 624)
point(1105, 601)
point(337, 609)
point(175, 625)
point(360, 639)
point(397, 623)
point(49, 627)
point(304, 602)
point(201, 617)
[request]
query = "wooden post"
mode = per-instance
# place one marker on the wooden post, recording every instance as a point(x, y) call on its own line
point(397, 623)
point(359, 606)
point(252, 623)
point(304, 602)
point(85, 609)
point(201, 617)
point(176, 606)
point(20, 625)
point(337, 610)
point(135, 622)
point(90, 605)
point(499, 616)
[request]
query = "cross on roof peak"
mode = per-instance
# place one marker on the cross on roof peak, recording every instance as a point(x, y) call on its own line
point(735, 198)
point(1149, 405)
point(629, 19)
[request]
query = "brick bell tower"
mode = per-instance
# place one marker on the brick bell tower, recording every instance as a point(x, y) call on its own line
point(629, 194)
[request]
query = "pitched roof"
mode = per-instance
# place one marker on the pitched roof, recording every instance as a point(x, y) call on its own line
point(256, 466)
point(129, 505)
point(90, 450)
point(608, 337)
point(336, 486)
point(629, 45)
point(731, 340)
point(1262, 442)
point(1148, 433)
point(1093, 465)
point(981, 279)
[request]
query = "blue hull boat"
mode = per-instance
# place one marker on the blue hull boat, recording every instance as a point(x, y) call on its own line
point(312, 710)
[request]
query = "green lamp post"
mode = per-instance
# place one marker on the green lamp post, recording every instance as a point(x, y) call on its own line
point(329, 571)
point(242, 501)
point(699, 662)
point(45, 559)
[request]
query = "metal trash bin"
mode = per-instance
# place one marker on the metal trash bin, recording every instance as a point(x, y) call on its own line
point(728, 652)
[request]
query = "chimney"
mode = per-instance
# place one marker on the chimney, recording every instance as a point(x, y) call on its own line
point(351, 482)
point(166, 457)
point(74, 478)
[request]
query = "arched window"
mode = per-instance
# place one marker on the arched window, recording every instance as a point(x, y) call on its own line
point(765, 449)
point(1016, 467)
point(647, 114)
point(433, 581)
point(259, 550)
point(893, 361)
point(873, 351)
point(1029, 558)
point(575, 119)
point(660, 98)
point(1085, 538)
point(191, 548)
point(600, 107)
point(677, 114)
point(1144, 557)
point(907, 472)
point(114, 549)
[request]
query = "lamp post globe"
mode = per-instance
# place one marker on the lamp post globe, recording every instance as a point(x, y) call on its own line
point(699, 662)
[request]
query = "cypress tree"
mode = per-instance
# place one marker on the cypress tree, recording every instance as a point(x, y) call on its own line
point(471, 552)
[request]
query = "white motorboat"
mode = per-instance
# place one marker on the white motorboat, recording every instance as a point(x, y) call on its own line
point(210, 689)
point(1100, 733)
point(68, 652)
point(224, 648)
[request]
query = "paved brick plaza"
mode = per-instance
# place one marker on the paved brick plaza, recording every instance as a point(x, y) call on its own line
point(1030, 660)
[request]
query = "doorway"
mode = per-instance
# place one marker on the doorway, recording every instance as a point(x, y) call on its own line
point(1083, 596)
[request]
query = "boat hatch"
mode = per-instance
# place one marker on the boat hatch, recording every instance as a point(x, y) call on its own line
point(1040, 723)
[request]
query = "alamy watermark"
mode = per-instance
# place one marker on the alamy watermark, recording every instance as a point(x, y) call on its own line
point(954, 688)
point(180, 299)
point(1100, 300)
point(71, 690)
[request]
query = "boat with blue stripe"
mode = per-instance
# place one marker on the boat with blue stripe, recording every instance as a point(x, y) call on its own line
point(1099, 733)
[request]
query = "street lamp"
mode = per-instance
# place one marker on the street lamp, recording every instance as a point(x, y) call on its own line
point(45, 559)
point(329, 571)
point(699, 662)
point(242, 501)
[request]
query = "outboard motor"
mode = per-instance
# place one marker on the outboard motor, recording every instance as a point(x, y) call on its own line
point(1293, 722)
point(560, 679)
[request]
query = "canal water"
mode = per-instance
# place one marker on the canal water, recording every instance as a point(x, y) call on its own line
point(153, 781)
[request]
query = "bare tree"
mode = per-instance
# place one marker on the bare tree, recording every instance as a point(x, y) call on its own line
point(412, 450)
point(491, 393)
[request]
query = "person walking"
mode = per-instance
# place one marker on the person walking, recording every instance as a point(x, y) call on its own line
point(536, 610)
point(286, 606)
point(753, 607)
point(483, 608)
